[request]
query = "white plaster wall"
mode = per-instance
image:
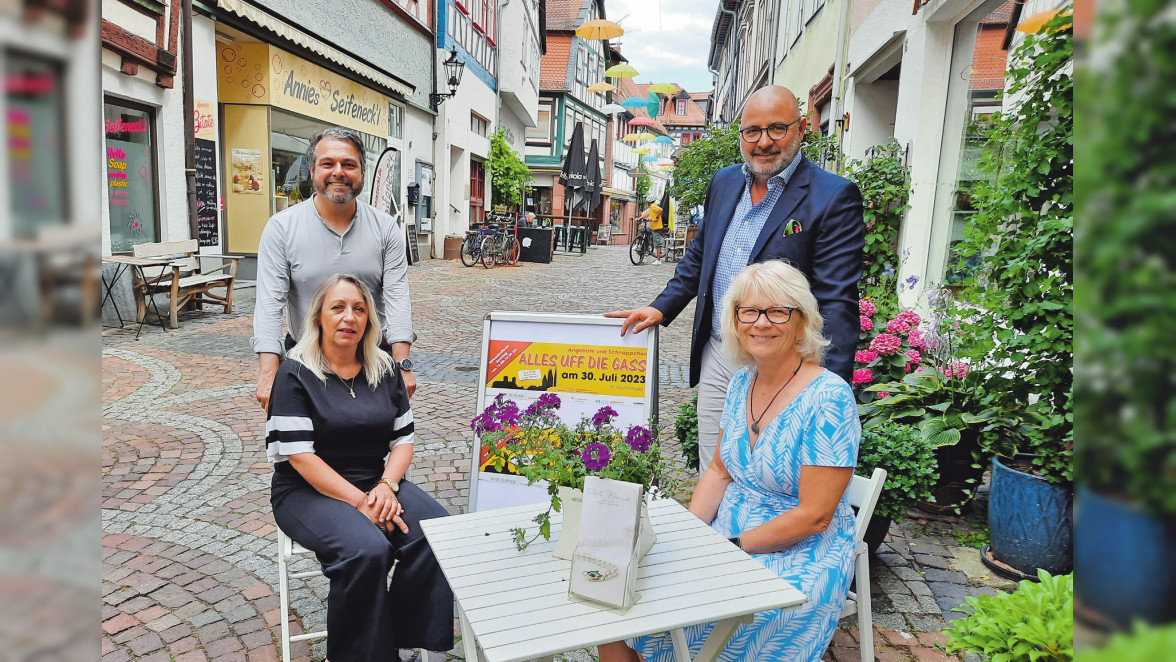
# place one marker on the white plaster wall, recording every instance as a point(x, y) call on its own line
point(874, 117)
point(204, 82)
point(518, 37)
point(418, 146)
point(131, 20)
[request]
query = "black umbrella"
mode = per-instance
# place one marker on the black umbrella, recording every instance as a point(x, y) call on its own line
point(665, 205)
point(593, 184)
point(574, 173)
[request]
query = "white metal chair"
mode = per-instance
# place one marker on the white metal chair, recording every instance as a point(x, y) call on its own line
point(863, 495)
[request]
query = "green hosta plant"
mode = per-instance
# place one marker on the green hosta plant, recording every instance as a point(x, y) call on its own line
point(1144, 643)
point(909, 461)
point(686, 428)
point(1033, 624)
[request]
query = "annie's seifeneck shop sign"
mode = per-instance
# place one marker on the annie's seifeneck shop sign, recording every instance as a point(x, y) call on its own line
point(262, 74)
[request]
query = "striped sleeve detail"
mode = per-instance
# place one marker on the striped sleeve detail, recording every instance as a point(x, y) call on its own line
point(403, 430)
point(288, 435)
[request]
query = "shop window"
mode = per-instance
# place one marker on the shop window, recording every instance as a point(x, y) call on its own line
point(130, 174)
point(680, 107)
point(290, 137)
point(540, 134)
point(36, 150)
point(477, 192)
point(395, 121)
point(479, 125)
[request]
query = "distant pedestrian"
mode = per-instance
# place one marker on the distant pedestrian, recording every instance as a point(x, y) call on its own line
point(654, 215)
point(330, 233)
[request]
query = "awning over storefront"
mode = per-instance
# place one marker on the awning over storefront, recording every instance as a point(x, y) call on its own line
point(616, 193)
point(287, 31)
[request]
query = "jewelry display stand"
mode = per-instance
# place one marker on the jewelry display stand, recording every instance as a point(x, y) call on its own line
point(604, 565)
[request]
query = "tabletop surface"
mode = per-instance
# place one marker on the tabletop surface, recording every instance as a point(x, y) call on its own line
point(142, 261)
point(517, 602)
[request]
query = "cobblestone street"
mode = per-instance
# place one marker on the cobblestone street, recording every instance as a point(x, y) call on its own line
point(188, 547)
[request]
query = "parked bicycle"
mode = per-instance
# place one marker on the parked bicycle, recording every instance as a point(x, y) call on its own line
point(642, 243)
point(499, 247)
point(471, 246)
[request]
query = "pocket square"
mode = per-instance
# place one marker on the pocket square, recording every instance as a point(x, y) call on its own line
point(792, 227)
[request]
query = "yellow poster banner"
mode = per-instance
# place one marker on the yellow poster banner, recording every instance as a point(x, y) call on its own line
point(262, 74)
point(591, 369)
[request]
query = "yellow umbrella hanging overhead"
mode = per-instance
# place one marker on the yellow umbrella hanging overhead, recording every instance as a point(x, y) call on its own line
point(602, 87)
point(662, 88)
point(641, 150)
point(599, 29)
point(645, 135)
point(629, 137)
point(1036, 22)
point(621, 71)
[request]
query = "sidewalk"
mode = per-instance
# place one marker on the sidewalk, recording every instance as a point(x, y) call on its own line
point(188, 552)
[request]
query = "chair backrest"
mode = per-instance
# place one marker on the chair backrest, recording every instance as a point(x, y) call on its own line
point(163, 248)
point(863, 494)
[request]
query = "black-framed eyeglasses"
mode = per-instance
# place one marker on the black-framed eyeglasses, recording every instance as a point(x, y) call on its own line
point(776, 314)
point(776, 131)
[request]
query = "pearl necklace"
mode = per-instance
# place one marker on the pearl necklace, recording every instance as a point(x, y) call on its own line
point(605, 571)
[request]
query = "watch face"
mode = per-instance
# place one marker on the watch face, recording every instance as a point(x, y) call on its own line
point(406, 365)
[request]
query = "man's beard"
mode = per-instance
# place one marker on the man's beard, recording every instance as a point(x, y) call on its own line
point(785, 158)
point(337, 197)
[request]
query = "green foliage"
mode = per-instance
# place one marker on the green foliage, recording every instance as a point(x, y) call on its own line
point(509, 175)
point(641, 188)
point(1034, 623)
point(1143, 644)
point(1021, 237)
point(700, 160)
point(885, 184)
point(976, 538)
point(820, 149)
point(686, 429)
point(1124, 248)
point(909, 461)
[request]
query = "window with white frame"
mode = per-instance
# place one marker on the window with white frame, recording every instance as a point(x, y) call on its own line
point(540, 134)
point(680, 107)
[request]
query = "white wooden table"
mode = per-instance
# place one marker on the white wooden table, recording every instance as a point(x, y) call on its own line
point(515, 605)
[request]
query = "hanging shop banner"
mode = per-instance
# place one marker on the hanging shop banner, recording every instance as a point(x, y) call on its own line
point(263, 74)
point(581, 358)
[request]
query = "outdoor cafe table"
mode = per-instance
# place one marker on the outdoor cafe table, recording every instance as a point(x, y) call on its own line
point(515, 605)
point(138, 265)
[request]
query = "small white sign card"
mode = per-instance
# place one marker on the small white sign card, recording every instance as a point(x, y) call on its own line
point(604, 565)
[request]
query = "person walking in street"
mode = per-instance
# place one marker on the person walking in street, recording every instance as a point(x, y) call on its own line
point(330, 233)
point(339, 409)
point(654, 215)
point(776, 205)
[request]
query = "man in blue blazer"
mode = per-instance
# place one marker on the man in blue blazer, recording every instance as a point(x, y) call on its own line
point(776, 205)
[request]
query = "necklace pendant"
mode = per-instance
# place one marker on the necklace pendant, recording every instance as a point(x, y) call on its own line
point(755, 427)
point(352, 392)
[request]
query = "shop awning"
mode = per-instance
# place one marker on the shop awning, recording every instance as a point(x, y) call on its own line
point(291, 33)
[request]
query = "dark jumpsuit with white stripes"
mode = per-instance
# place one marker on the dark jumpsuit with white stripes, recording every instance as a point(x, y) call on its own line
point(367, 619)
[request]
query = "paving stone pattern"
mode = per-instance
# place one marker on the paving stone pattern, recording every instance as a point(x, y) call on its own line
point(188, 549)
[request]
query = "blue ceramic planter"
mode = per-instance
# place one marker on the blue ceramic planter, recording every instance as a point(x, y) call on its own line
point(1124, 564)
point(1030, 521)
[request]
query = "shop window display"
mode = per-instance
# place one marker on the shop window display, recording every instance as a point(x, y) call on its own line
point(290, 137)
point(130, 174)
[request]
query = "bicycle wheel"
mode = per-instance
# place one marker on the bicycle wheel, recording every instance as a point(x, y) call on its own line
point(486, 248)
point(510, 251)
point(637, 248)
point(469, 250)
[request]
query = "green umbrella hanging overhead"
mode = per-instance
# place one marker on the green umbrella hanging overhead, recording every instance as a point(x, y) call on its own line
point(663, 88)
point(621, 71)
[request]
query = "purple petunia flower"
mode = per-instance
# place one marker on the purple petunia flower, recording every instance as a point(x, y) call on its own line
point(596, 456)
point(548, 400)
point(604, 416)
point(485, 422)
point(639, 438)
point(508, 414)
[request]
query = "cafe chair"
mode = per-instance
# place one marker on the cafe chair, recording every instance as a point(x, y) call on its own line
point(863, 494)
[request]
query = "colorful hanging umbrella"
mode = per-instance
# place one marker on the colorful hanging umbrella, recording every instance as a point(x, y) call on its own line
point(641, 121)
point(613, 109)
point(653, 104)
point(648, 159)
point(634, 102)
point(599, 29)
point(1034, 23)
point(601, 87)
point(663, 88)
point(663, 140)
point(644, 135)
point(621, 71)
point(641, 150)
point(629, 137)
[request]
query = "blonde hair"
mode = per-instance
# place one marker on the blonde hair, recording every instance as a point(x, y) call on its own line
point(309, 351)
point(783, 284)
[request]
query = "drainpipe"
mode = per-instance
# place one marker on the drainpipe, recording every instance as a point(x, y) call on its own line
point(189, 120)
point(837, 106)
point(775, 43)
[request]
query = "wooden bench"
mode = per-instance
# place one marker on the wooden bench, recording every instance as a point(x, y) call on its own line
point(188, 283)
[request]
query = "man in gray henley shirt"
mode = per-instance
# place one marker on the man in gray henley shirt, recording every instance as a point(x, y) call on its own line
point(330, 233)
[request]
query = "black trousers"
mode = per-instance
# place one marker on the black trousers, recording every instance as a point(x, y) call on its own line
point(366, 618)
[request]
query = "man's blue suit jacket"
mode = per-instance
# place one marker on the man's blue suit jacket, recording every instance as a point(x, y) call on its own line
point(828, 250)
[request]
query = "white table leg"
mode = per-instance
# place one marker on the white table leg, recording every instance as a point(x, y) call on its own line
point(681, 649)
point(719, 636)
point(467, 637)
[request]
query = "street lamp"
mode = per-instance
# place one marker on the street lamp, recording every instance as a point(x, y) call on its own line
point(453, 70)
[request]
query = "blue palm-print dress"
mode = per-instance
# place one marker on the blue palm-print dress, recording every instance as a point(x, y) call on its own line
point(820, 427)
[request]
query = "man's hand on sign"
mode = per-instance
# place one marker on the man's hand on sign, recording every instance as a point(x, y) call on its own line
point(638, 318)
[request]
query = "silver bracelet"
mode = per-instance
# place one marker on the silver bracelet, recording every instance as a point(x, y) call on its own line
point(604, 572)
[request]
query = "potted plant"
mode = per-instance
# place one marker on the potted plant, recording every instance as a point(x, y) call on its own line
point(1033, 624)
point(536, 444)
point(686, 429)
point(909, 461)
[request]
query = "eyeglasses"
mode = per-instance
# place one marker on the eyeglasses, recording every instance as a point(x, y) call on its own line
point(776, 314)
point(777, 131)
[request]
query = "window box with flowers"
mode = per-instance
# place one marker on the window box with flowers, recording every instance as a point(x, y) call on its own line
point(536, 444)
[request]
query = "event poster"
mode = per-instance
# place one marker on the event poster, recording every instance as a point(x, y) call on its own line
point(583, 359)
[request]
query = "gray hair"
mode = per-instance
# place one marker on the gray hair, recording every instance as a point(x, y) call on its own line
point(785, 285)
point(309, 351)
point(338, 133)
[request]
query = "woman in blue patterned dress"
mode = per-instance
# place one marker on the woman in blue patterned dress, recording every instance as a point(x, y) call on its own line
point(787, 448)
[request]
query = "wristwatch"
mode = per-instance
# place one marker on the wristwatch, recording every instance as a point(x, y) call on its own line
point(395, 485)
point(735, 541)
point(405, 364)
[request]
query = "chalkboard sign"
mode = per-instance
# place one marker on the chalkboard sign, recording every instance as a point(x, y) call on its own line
point(207, 216)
